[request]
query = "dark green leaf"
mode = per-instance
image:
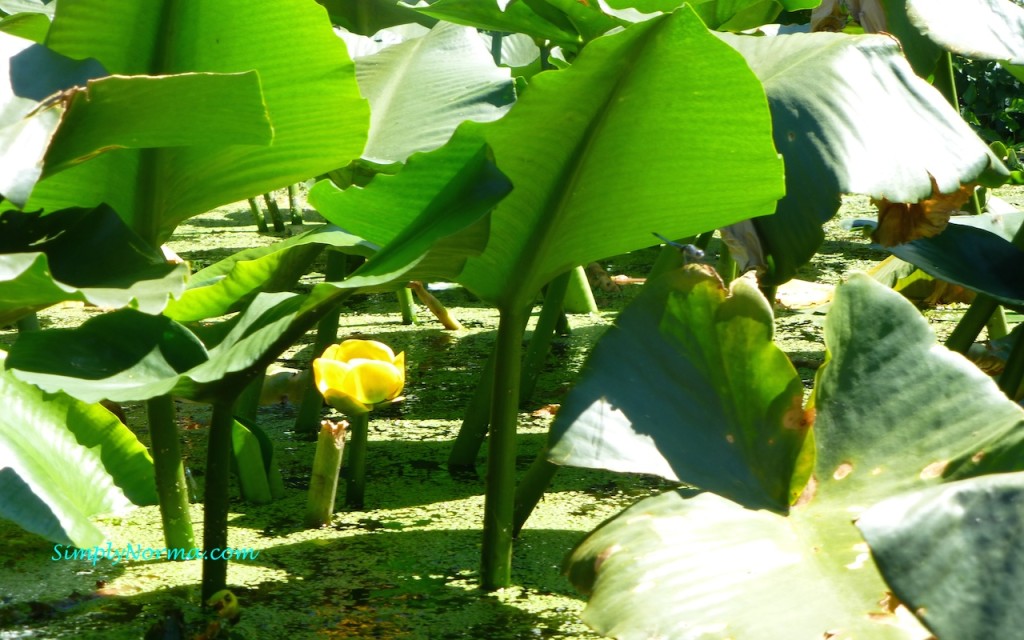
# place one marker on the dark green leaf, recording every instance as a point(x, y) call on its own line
point(80, 254)
point(971, 257)
point(688, 385)
point(952, 554)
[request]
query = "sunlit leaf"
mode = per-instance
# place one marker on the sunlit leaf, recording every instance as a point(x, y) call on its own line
point(593, 183)
point(318, 117)
point(422, 89)
point(851, 116)
point(103, 466)
point(684, 565)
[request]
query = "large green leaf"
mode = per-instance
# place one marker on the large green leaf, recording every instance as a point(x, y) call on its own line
point(126, 355)
point(223, 286)
point(680, 565)
point(439, 194)
point(103, 466)
point(850, 116)
point(87, 255)
point(188, 109)
point(639, 143)
point(422, 89)
point(31, 73)
point(952, 554)
point(310, 93)
point(708, 355)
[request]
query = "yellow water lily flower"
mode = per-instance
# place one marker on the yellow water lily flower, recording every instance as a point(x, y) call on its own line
point(356, 376)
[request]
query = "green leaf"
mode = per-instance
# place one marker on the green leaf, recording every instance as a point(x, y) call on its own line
point(518, 17)
point(189, 109)
point(439, 198)
point(971, 257)
point(737, 15)
point(594, 183)
point(310, 93)
point(680, 565)
point(126, 355)
point(103, 464)
point(84, 255)
point(31, 74)
point(223, 286)
point(422, 89)
point(367, 17)
point(31, 26)
point(253, 459)
point(688, 347)
point(850, 116)
point(121, 356)
point(952, 554)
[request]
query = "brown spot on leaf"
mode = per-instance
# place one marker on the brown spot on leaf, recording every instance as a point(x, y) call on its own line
point(900, 222)
point(842, 471)
point(934, 470)
point(808, 493)
point(731, 439)
point(976, 458)
point(796, 417)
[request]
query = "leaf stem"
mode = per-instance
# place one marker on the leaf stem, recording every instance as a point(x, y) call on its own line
point(543, 332)
point(215, 522)
point(355, 484)
point(535, 482)
point(496, 560)
point(170, 474)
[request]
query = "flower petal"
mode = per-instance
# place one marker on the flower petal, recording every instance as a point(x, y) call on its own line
point(329, 374)
point(372, 381)
point(369, 349)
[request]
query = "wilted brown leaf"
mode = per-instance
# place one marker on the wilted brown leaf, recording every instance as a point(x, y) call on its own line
point(900, 222)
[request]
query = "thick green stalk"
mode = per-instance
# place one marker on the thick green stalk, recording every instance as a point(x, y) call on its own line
point(475, 421)
point(996, 325)
point(579, 298)
point(261, 224)
point(326, 333)
point(1012, 376)
point(535, 482)
point(406, 304)
point(540, 342)
point(323, 484)
point(726, 266)
point(496, 558)
point(170, 474)
point(945, 82)
point(355, 481)
point(215, 521)
point(293, 204)
point(275, 212)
